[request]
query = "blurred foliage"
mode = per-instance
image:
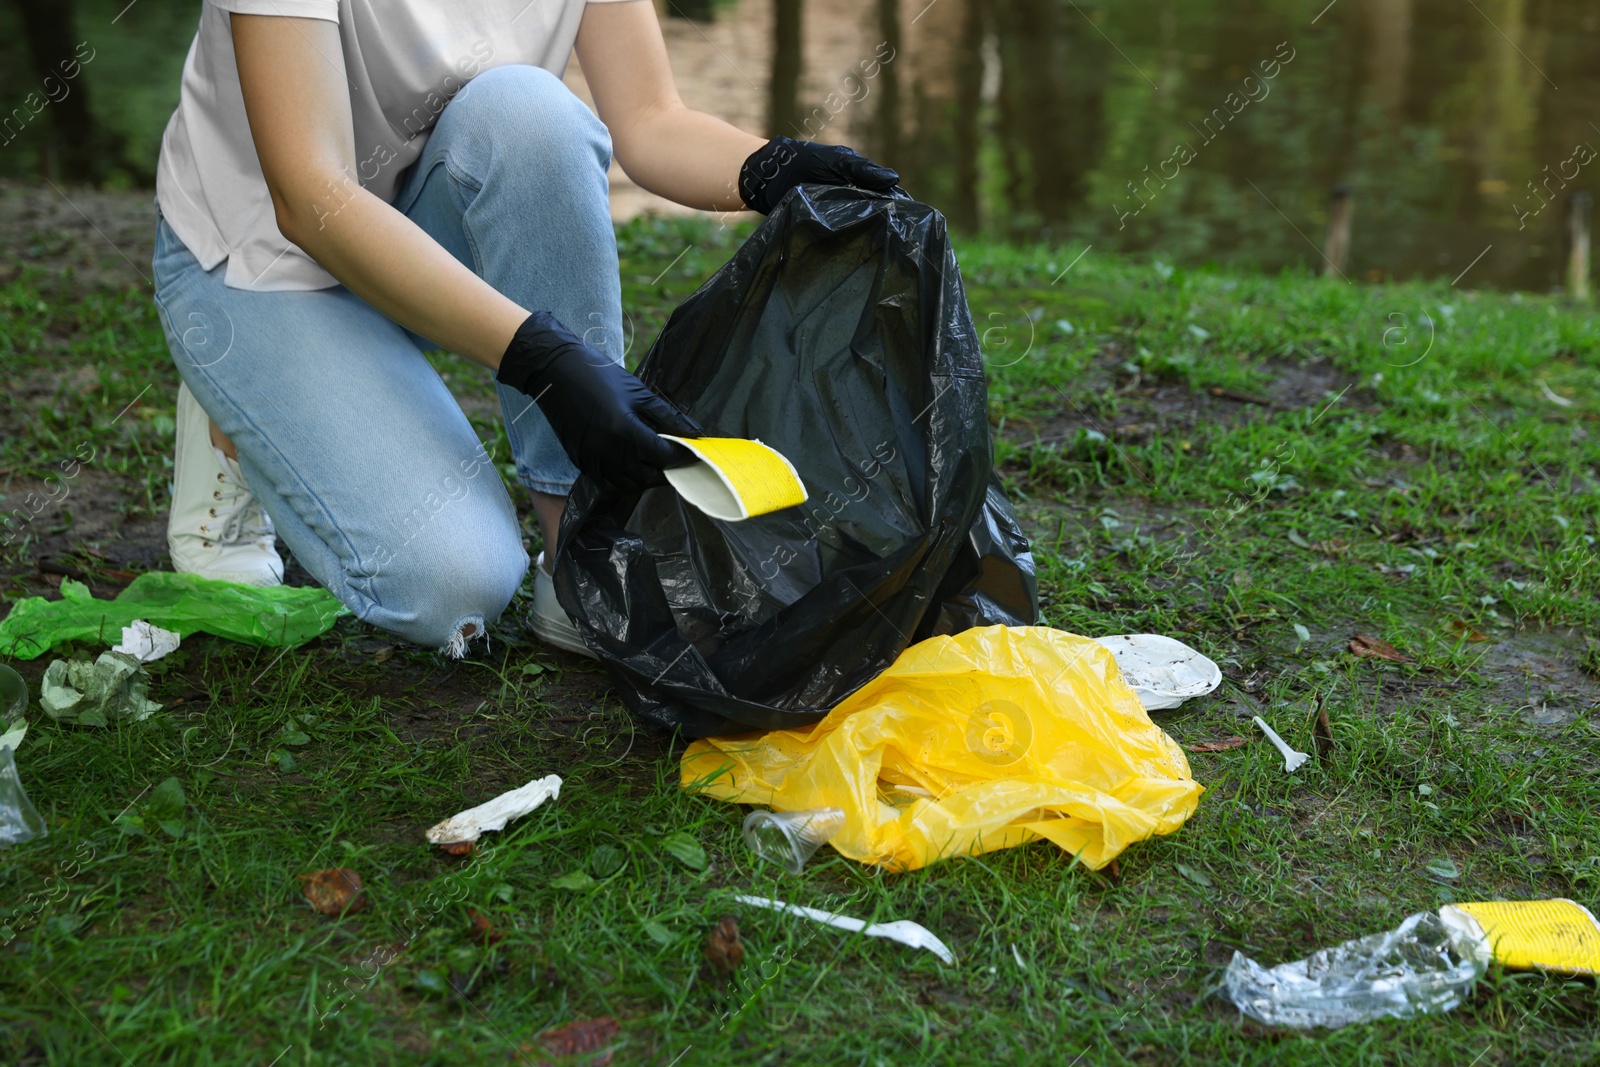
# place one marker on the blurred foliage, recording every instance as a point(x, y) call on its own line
point(132, 83)
point(1047, 120)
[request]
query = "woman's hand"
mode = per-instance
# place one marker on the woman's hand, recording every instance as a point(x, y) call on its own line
point(667, 147)
point(686, 155)
point(782, 163)
point(608, 421)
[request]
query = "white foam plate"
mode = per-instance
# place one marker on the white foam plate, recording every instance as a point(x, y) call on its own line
point(1162, 672)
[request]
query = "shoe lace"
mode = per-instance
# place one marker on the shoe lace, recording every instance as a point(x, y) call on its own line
point(241, 514)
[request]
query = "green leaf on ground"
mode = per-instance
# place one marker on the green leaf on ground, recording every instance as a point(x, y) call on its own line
point(606, 860)
point(685, 849)
point(1443, 869)
point(166, 800)
point(574, 880)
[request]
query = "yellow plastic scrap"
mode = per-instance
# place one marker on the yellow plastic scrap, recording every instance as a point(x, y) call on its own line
point(994, 737)
point(1548, 935)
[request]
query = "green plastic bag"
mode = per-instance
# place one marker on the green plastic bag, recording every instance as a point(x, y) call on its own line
point(187, 603)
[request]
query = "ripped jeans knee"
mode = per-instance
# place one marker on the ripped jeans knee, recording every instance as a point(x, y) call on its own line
point(466, 630)
point(445, 601)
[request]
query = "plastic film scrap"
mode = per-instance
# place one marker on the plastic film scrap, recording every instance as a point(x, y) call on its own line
point(1424, 965)
point(839, 334)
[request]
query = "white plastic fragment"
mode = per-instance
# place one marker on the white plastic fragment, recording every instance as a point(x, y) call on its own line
point(1161, 671)
point(910, 934)
point(12, 738)
point(1553, 396)
point(1291, 758)
point(471, 824)
point(146, 643)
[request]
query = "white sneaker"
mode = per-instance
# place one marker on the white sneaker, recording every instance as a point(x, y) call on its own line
point(551, 624)
point(217, 528)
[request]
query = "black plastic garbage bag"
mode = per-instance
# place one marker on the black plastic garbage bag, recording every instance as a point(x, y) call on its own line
point(839, 334)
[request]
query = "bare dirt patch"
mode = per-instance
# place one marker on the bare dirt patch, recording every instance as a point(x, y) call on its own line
point(80, 238)
point(1129, 406)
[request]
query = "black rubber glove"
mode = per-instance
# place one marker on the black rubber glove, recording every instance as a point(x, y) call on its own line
point(604, 417)
point(782, 163)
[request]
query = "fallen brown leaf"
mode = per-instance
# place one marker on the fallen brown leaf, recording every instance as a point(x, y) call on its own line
point(1333, 546)
point(724, 950)
point(1322, 732)
point(1221, 744)
point(1240, 397)
point(61, 569)
point(334, 892)
point(1462, 628)
point(1368, 647)
point(458, 848)
point(1404, 532)
point(482, 930)
point(587, 1037)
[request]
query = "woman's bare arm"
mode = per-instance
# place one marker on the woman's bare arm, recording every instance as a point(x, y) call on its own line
point(684, 155)
point(298, 101)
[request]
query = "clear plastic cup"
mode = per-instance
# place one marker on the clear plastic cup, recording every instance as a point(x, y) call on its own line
point(790, 838)
point(13, 697)
point(19, 819)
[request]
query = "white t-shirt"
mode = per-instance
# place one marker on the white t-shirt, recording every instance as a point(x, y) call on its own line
point(404, 59)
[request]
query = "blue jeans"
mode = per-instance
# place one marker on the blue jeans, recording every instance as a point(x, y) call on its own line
point(353, 444)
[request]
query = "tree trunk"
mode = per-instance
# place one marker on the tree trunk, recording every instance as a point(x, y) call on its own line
point(783, 91)
point(1578, 246)
point(1052, 113)
point(888, 112)
point(969, 90)
point(1336, 249)
point(1389, 54)
point(75, 150)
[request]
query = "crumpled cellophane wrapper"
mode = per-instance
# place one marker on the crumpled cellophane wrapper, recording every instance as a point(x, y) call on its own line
point(991, 738)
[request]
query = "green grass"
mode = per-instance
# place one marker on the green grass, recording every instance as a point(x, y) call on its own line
point(1435, 501)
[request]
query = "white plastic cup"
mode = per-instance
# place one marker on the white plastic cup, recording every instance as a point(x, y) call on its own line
point(790, 838)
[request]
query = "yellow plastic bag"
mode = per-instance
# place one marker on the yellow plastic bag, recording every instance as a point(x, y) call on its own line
point(995, 737)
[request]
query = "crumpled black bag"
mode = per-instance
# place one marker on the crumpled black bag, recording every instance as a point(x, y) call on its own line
point(839, 334)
